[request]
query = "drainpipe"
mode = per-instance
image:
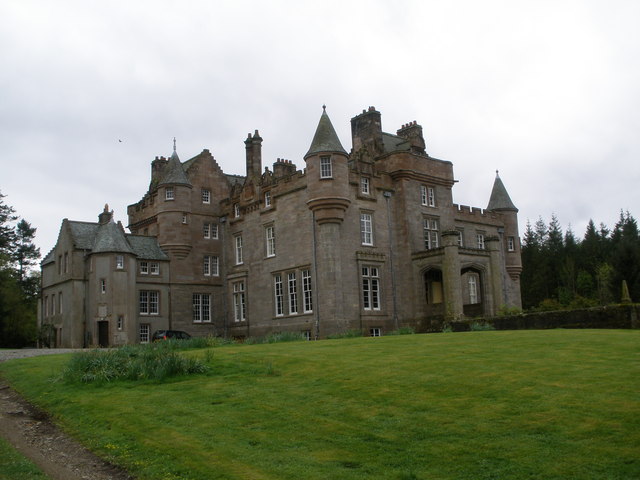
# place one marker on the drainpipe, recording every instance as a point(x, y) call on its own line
point(387, 196)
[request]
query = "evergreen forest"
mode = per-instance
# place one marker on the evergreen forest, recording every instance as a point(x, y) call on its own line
point(562, 271)
point(19, 282)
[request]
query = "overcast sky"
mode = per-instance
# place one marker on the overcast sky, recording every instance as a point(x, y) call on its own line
point(546, 92)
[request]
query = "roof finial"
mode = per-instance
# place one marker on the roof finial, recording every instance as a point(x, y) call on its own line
point(324, 107)
point(497, 175)
point(174, 144)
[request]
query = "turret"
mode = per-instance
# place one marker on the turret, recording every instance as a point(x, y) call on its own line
point(327, 173)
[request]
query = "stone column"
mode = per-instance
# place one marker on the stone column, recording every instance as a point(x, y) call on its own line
point(451, 276)
point(496, 280)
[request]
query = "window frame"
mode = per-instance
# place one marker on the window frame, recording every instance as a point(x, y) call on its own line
point(150, 305)
point(119, 262)
point(144, 332)
point(366, 229)
point(511, 244)
point(267, 199)
point(270, 239)
point(365, 186)
point(430, 229)
point(201, 308)
point(169, 194)
point(239, 302)
point(238, 250)
point(370, 291)
point(326, 167)
point(307, 291)
point(292, 291)
point(480, 241)
point(144, 267)
point(278, 295)
point(154, 268)
point(206, 196)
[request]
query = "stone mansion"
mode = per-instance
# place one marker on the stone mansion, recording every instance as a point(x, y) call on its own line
point(366, 240)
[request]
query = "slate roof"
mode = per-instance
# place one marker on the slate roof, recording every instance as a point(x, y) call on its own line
point(98, 238)
point(500, 199)
point(174, 173)
point(325, 139)
point(394, 143)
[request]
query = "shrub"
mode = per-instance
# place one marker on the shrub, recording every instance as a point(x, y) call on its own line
point(276, 338)
point(481, 327)
point(347, 334)
point(157, 361)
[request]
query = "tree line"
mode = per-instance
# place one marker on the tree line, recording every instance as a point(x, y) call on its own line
point(562, 271)
point(19, 283)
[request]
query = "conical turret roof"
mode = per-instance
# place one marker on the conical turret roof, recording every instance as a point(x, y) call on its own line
point(325, 140)
point(500, 199)
point(174, 173)
point(109, 238)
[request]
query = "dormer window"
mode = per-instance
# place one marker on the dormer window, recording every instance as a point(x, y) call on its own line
point(325, 167)
point(168, 193)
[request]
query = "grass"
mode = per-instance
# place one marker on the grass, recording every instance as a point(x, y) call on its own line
point(14, 466)
point(553, 404)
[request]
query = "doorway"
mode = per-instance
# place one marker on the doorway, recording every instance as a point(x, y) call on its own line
point(103, 333)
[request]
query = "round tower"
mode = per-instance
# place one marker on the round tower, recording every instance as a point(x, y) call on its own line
point(174, 208)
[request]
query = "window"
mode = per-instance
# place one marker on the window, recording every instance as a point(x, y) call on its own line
point(59, 302)
point(103, 285)
point(239, 250)
point(144, 268)
point(66, 262)
point(267, 199)
point(53, 304)
point(201, 307)
point(307, 335)
point(168, 193)
point(460, 238)
point(120, 323)
point(206, 195)
point(325, 167)
point(185, 218)
point(511, 244)
point(375, 332)
point(430, 226)
point(293, 293)
point(236, 210)
point(366, 228)
point(364, 185)
point(306, 291)
point(473, 289)
point(480, 241)
point(45, 305)
point(154, 268)
point(239, 302)
point(206, 230)
point(119, 262)
point(370, 288)
point(427, 196)
point(149, 302)
point(214, 231)
point(433, 287)
point(144, 332)
point(279, 294)
point(271, 241)
point(210, 266)
point(59, 264)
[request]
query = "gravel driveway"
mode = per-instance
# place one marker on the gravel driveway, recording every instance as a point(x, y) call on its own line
point(34, 352)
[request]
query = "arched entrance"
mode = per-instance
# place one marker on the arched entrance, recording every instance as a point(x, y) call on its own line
point(472, 288)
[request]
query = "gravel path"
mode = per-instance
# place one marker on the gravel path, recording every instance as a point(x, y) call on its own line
point(33, 434)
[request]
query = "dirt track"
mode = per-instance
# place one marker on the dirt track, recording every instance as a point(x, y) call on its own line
point(34, 435)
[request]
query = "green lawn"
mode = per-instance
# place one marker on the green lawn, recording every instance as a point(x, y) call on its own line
point(555, 404)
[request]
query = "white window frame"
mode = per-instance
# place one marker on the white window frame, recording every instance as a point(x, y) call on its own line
point(366, 229)
point(120, 322)
point(278, 292)
point(427, 196)
point(375, 332)
point(154, 268)
point(201, 312)
point(238, 249)
point(473, 289)
point(364, 186)
point(169, 194)
point(236, 210)
point(511, 244)
point(326, 167)
point(214, 231)
point(267, 199)
point(103, 285)
point(119, 262)
point(206, 230)
point(144, 268)
point(185, 218)
point(431, 237)
point(270, 237)
point(144, 332)
point(149, 302)
point(480, 241)
point(370, 276)
point(460, 238)
point(292, 289)
point(206, 196)
point(239, 302)
point(307, 293)
point(211, 266)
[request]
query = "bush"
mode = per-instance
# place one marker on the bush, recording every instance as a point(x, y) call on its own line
point(276, 338)
point(481, 327)
point(157, 361)
point(347, 334)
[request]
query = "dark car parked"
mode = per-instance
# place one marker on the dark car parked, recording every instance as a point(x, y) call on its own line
point(170, 334)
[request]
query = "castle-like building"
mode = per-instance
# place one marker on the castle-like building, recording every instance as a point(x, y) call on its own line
point(368, 240)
